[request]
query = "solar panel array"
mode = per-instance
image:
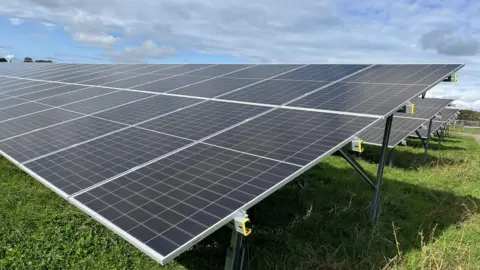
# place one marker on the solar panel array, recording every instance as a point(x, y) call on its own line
point(446, 115)
point(404, 125)
point(166, 154)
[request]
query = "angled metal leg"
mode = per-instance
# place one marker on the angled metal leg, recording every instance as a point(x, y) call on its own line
point(381, 166)
point(439, 135)
point(425, 155)
point(392, 157)
point(420, 137)
point(356, 166)
point(423, 95)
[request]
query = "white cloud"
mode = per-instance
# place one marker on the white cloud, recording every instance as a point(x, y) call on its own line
point(148, 49)
point(9, 57)
point(101, 40)
point(16, 21)
point(49, 25)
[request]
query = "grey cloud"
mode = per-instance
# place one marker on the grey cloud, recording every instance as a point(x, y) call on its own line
point(148, 49)
point(63, 55)
point(445, 42)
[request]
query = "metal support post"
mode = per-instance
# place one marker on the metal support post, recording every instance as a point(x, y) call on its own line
point(420, 137)
point(356, 166)
point(425, 155)
point(236, 252)
point(439, 135)
point(392, 157)
point(423, 95)
point(378, 183)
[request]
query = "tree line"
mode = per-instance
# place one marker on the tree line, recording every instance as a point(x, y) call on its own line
point(27, 60)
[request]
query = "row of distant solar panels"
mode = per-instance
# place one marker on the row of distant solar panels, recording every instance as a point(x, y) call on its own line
point(375, 90)
point(403, 127)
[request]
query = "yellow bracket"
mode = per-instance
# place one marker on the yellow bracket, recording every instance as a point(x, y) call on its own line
point(246, 231)
point(455, 77)
point(360, 146)
point(413, 108)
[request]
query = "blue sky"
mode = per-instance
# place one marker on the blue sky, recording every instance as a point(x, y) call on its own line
point(232, 31)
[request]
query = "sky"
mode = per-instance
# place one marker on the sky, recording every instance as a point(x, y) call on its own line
point(262, 31)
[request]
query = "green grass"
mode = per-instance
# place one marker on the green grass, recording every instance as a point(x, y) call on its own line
point(430, 219)
point(468, 130)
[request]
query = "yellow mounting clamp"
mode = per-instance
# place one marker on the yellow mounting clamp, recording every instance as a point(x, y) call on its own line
point(240, 222)
point(412, 108)
point(451, 78)
point(357, 145)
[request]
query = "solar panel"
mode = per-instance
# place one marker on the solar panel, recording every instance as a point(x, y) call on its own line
point(32, 89)
point(145, 109)
point(322, 72)
point(426, 108)
point(401, 128)
point(292, 135)
point(273, 91)
point(104, 102)
point(87, 164)
point(163, 170)
point(214, 87)
point(35, 121)
point(203, 119)
point(58, 90)
point(378, 96)
point(263, 71)
point(447, 114)
point(51, 139)
point(182, 198)
point(9, 102)
point(75, 95)
point(19, 110)
point(169, 83)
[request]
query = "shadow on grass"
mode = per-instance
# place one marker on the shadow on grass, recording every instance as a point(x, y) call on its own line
point(329, 227)
point(406, 159)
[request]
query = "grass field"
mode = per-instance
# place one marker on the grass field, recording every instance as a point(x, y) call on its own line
point(468, 130)
point(430, 219)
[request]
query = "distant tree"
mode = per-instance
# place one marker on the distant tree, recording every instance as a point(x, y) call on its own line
point(28, 59)
point(3, 60)
point(469, 115)
point(43, 61)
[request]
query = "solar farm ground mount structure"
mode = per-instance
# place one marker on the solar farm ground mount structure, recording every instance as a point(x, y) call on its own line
point(166, 154)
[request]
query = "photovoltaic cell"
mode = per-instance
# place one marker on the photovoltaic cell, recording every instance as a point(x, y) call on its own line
point(35, 121)
point(142, 110)
point(97, 104)
point(48, 140)
point(291, 135)
point(401, 128)
point(19, 110)
point(214, 87)
point(75, 96)
point(262, 71)
point(322, 72)
point(169, 83)
point(203, 119)
point(274, 91)
point(82, 76)
point(180, 197)
point(90, 163)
